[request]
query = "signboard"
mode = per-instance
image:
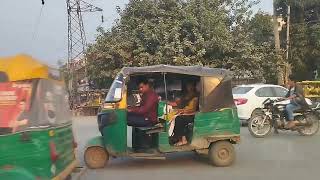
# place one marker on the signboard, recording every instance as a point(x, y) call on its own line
point(32, 104)
point(14, 103)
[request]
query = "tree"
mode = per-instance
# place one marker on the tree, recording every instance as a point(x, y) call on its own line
point(305, 36)
point(261, 33)
point(181, 32)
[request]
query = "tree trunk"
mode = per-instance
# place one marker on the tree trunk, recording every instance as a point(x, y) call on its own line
point(277, 46)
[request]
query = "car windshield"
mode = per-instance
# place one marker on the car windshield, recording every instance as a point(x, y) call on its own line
point(115, 91)
point(241, 90)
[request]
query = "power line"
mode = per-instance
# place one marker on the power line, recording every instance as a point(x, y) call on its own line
point(36, 26)
point(35, 29)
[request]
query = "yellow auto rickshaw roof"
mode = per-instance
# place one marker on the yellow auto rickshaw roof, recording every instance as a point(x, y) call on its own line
point(23, 67)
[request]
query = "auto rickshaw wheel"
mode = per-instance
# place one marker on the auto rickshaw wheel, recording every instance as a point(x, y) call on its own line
point(96, 157)
point(221, 153)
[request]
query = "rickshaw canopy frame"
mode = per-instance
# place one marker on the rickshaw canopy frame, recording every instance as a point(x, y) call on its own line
point(188, 70)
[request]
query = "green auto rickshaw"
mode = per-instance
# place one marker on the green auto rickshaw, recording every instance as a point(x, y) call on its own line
point(214, 130)
point(36, 139)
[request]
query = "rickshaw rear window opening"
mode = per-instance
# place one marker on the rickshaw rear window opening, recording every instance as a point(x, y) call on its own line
point(32, 103)
point(217, 94)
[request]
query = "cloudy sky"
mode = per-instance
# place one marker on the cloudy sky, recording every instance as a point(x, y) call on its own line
point(24, 30)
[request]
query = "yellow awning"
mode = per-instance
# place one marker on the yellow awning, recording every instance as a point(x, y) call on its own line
point(23, 67)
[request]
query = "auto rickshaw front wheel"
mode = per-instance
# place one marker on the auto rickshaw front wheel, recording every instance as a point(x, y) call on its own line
point(96, 157)
point(221, 153)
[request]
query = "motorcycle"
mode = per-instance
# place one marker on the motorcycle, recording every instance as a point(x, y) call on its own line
point(273, 115)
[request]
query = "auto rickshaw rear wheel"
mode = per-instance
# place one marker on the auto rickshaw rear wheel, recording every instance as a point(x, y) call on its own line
point(221, 153)
point(96, 157)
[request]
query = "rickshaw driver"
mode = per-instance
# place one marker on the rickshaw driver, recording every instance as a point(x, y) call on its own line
point(146, 114)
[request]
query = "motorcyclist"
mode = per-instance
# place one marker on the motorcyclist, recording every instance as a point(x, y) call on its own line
point(297, 101)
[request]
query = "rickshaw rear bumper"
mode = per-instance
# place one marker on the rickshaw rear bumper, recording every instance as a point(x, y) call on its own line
point(234, 138)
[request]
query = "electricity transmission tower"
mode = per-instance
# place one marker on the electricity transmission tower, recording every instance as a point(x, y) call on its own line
point(77, 41)
point(76, 34)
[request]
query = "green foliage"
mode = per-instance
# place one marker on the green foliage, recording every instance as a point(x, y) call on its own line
point(216, 33)
point(305, 36)
point(261, 33)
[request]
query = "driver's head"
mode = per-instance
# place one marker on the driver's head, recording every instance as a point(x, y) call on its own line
point(291, 81)
point(3, 77)
point(144, 86)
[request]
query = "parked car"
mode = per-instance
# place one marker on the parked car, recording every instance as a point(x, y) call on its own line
point(249, 98)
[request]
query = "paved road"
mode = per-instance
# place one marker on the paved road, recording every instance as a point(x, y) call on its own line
point(286, 156)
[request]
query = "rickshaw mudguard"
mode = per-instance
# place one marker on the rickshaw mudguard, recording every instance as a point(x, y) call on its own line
point(96, 141)
point(15, 173)
point(99, 141)
point(115, 135)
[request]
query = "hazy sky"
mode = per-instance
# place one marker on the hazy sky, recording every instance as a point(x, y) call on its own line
point(48, 41)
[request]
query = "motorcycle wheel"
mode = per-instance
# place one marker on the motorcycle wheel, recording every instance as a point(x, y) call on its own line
point(309, 130)
point(257, 129)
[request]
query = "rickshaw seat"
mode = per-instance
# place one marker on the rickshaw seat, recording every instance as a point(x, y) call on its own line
point(152, 129)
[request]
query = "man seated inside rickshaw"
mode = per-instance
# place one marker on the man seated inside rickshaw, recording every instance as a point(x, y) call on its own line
point(144, 115)
point(187, 107)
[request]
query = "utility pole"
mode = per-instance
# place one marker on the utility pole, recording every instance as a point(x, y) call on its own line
point(288, 32)
point(277, 45)
point(287, 65)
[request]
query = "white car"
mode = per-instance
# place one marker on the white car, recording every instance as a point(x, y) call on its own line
point(249, 98)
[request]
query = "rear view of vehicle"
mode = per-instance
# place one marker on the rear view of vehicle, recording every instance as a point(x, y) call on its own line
point(36, 139)
point(241, 96)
